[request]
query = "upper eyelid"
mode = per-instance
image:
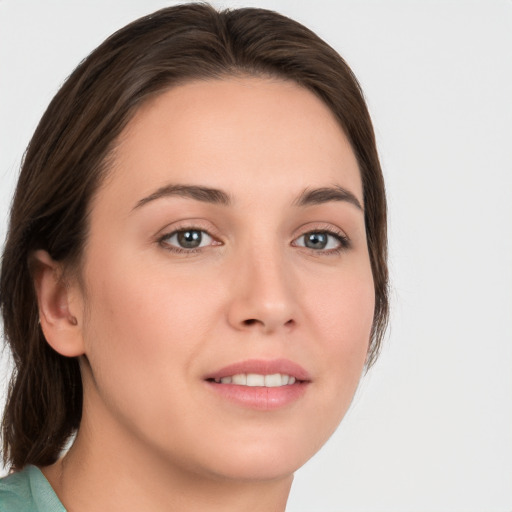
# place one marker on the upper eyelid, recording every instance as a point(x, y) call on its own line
point(184, 225)
point(322, 226)
point(212, 231)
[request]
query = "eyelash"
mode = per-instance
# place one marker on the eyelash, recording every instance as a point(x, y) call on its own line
point(181, 250)
point(341, 238)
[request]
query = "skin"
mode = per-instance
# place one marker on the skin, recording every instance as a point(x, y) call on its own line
point(149, 323)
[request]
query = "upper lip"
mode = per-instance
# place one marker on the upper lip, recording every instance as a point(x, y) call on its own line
point(262, 367)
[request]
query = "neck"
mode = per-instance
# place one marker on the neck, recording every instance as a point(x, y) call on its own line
point(109, 469)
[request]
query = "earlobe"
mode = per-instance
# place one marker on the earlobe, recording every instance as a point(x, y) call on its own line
point(59, 310)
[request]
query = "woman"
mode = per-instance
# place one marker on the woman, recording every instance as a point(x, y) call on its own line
point(195, 272)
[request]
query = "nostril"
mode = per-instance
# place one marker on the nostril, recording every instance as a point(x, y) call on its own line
point(252, 321)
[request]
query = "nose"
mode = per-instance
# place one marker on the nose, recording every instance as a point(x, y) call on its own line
point(262, 294)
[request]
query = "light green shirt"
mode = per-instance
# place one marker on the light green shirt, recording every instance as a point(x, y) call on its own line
point(28, 491)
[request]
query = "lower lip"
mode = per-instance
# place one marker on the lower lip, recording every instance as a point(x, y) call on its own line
point(259, 397)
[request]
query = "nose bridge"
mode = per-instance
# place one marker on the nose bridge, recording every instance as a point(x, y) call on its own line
point(263, 296)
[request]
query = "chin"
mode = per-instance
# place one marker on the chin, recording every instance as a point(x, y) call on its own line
point(265, 458)
point(262, 468)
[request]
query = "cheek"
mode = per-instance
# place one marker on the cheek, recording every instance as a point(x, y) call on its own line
point(145, 332)
point(142, 317)
point(343, 321)
point(343, 312)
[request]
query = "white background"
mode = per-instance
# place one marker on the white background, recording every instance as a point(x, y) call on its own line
point(431, 426)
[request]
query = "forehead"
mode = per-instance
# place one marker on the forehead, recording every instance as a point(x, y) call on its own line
point(240, 134)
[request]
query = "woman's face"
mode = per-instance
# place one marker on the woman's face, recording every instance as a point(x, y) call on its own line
point(229, 243)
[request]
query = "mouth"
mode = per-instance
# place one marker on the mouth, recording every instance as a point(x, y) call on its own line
point(274, 380)
point(260, 384)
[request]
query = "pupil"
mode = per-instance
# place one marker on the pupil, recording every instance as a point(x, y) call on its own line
point(316, 240)
point(189, 239)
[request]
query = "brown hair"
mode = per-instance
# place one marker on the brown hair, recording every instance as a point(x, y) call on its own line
point(67, 158)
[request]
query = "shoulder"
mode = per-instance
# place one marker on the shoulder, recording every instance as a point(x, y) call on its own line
point(15, 493)
point(28, 491)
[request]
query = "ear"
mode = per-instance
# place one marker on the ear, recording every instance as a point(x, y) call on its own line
point(60, 306)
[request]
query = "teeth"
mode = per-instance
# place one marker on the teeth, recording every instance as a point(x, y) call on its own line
point(240, 379)
point(254, 379)
point(275, 380)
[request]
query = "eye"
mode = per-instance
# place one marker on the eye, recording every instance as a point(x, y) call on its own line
point(190, 239)
point(322, 241)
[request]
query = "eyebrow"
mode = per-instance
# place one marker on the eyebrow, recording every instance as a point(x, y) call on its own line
point(215, 196)
point(199, 193)
point(325, 195)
